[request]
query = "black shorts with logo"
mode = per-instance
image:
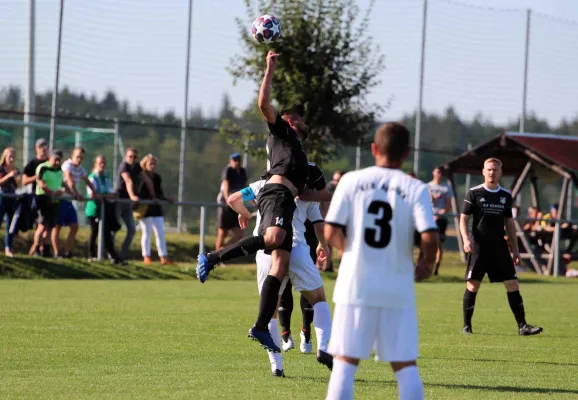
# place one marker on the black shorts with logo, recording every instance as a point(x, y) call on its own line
point(492, 258)
point(228, 218)
point(277, 206)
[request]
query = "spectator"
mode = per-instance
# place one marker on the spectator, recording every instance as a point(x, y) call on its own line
point(441, 196)
point(129, 178)
point(233, 179)
point(49, 187)
point(336, 178)
point(29, 179)
point(153, 215)
point(533, 213)
point(101, 185)
point(9, 180)
point(73, 174)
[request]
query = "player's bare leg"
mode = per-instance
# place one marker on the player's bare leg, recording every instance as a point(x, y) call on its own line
point(517, 307)
point(472, 287)
point(322, 323)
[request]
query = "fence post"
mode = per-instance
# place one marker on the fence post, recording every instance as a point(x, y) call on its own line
point(56, 79)
point(183, 149)
point(101, 231)
point(526, 58)
point(420, 98)
point(115, 151)
point(203, 222)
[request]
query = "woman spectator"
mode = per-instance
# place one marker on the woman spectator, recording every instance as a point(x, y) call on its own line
point(9, 181)
point(103, 185)
point(151, 216)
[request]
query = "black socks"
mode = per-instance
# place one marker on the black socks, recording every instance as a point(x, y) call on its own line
point(243, 247)
point(307, 312)
point(468, 306)
point(285, 310)
point(268, 303)
point(517, 307)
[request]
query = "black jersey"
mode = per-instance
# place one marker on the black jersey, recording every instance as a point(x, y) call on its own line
point(285, 155)
point(490, 209)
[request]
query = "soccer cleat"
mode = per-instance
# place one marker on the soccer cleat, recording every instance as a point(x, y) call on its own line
point(306, 346)
point(528, 330)
point(325, 359)
point(287, 343)
point(467, 330)
point(265, 339)
point(203, 267)
point(278, 373)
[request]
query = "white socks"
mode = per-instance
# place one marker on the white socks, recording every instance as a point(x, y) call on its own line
point(409, 383)
point(322, 323)
point(341, 381)
point(275, 359)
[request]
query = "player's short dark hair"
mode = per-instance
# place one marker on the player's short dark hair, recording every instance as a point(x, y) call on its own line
point(293, 110)
point(392, 140)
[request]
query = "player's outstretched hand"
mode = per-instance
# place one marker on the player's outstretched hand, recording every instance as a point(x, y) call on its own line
point(243, 222)
point(423, 270)
point(271, 59)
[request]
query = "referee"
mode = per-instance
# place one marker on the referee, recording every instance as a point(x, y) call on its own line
point(491, 207)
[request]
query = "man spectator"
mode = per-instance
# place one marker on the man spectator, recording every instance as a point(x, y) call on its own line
point(129, 179)
point(29, 179)
point(49, 187)
point(441, 195)
point(73, 174)
point(533, 213)
point(233, 179)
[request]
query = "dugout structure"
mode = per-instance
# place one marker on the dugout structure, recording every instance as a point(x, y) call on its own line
point(528, 158)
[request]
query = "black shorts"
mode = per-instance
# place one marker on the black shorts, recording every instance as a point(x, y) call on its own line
point(227, 218)
point(491, 258)
point(442, 223)
point(277, 206)
point(47, 210)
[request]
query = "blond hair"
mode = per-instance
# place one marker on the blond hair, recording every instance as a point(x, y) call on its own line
point(5, 154)
point(493, 160)
point(148, 159)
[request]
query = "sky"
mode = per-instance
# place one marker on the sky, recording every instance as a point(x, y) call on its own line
point(474, 53)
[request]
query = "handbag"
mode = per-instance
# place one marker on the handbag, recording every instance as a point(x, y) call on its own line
point(139, 211)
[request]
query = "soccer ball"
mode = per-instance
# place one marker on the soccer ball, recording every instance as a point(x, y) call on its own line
point(266, 29)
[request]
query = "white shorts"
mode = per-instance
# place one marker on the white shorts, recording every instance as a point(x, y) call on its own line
point(264, 262)
point(302, 270)
point(390, 332)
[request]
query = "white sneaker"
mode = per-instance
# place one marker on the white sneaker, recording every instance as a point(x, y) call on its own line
point(287, 345)
point(306, 346)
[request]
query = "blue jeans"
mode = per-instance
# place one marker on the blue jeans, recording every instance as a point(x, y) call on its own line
point(7, 208)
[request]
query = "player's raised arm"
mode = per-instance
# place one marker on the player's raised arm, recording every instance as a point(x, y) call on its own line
point(264, 102)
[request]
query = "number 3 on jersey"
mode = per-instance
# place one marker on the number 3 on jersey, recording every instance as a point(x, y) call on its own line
point(379, 238)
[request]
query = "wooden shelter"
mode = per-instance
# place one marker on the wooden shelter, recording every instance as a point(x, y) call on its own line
point(529, 158)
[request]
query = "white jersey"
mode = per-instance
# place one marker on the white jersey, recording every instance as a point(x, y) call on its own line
point(306, 210)
point(379, 208)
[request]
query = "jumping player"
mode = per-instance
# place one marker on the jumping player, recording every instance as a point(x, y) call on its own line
point(371, 219)
point(303, 273)
point(287, 171)
point(491, 206)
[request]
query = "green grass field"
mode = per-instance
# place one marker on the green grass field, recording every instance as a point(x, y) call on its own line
point(99, 339)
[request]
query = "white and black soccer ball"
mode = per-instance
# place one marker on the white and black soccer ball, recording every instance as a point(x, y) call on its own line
point(266, 29)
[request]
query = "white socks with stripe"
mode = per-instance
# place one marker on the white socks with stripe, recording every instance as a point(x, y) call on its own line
point(341, 381)
point(275, 359)
point(322, 323)
point(409, 383)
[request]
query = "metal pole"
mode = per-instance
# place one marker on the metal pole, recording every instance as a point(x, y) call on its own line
point(202, 229)
point(468, 176)
point(101, 232)
point(184, 124)
point(77, 139)
point(246, 154)
point(420, 99)
point(55, 94)
point(358, 155)
point(115, 150)
point(569, 202)
point(29, 95)
point(526, 58)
